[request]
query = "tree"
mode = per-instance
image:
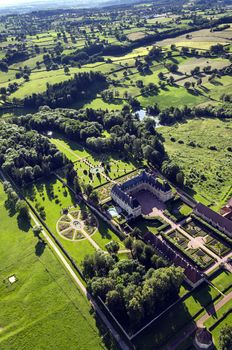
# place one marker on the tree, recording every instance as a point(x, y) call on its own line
point(112, 247)
point(66, 70)
point(187, 85)
point(180, 178)
point(225, 339)
point(22, 209)
point(93, 197)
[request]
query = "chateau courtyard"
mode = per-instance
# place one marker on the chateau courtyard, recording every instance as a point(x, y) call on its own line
point(151, 205)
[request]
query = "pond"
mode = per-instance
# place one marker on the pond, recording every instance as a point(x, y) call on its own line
point(142, 114)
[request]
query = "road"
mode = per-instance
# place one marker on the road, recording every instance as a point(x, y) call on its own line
point(80, 285)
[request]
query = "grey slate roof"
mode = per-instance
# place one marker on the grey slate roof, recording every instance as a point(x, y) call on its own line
point(215, 217)
point(120, 190)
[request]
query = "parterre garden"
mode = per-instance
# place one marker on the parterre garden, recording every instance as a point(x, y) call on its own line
point(94, 169)
point(196, 229)
point(196, 255)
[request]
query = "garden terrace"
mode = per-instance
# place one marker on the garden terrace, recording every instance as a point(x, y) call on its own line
point(196, 255)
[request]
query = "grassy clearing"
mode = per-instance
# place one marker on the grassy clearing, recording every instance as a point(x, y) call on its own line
point(210, 176)
point(43, 300)
point(172, 96)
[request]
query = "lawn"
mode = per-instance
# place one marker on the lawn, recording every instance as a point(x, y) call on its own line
point(223, 281)
point(207, 172)
point(44, 299)
point(152, 225)
point(226, 321)
point(177, 210)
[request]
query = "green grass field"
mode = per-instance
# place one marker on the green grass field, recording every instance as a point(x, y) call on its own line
point(208, 172)
point(44, 301)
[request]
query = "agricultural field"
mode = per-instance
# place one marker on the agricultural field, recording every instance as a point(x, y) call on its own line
point(200, 148)
point(39, 277)
point(40, 68)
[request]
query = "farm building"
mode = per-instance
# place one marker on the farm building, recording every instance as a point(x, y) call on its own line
point(123, 194)
point(218, 221)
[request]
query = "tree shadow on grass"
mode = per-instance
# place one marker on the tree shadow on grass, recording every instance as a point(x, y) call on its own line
point(203, 296)
point(103, 229)
point(23, 224)
point(11, 210)
point(105, 334)
point(168, 329)
point(40, 247)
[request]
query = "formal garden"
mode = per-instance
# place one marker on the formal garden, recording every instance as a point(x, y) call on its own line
point(211, 240)
point(191, 251)
point(53, 200)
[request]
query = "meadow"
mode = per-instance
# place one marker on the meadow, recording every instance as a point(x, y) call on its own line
point(44, 299)
point(207, 172)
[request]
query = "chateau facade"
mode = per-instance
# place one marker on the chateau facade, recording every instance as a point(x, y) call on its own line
point(123, 194)
point(218, 221)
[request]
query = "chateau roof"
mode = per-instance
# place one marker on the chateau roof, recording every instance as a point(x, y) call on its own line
point(144, 177)
point(215, 217)
point(126, 198)
point(121, 190)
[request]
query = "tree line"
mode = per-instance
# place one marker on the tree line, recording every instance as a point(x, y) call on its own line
point(26, 155)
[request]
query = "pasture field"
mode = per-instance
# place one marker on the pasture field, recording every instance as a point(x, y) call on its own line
point(43, 299)
point(207, 171)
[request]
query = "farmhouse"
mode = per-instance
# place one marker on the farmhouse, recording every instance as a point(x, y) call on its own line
point(218, 221)
point(123, 194)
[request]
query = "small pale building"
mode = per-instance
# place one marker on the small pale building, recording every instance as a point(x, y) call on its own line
point(203, 339)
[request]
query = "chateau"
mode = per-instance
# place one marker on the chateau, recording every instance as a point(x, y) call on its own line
point(123, 194)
